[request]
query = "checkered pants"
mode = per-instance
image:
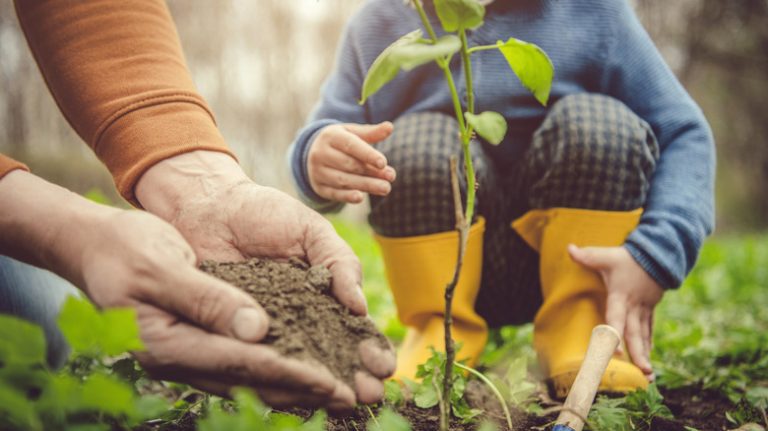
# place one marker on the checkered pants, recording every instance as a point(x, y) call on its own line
point(591, 152)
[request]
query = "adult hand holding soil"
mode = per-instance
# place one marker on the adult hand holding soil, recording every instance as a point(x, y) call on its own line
point(226, 217)
point(134, 259)
point(342, 163)
point(632, 297)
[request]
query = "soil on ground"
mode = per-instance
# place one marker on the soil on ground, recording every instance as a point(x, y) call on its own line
point(306, 322)
point(309, 324)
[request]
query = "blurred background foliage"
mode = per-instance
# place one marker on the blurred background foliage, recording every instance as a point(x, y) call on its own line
point(260, 65)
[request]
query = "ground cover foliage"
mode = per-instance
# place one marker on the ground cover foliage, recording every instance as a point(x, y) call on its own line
point(709, 354)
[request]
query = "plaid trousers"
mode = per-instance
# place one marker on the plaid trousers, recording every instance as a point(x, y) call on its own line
point(590, 152)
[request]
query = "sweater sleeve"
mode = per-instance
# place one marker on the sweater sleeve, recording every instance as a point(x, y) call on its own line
point(7, 165)
point(118, 74)
point(338, 104)
point(679, 212)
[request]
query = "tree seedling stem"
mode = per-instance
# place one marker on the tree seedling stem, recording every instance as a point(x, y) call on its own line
point(527, 61)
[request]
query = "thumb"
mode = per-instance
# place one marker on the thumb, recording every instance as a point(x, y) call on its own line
point(595, 258)
point(213, 305)
point(371, 133)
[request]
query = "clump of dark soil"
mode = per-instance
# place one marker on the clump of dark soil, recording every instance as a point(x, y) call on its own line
point(306, 322)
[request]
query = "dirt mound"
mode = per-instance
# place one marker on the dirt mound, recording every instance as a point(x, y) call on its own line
point(306, 322)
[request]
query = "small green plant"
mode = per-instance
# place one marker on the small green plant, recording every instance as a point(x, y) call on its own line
point(526, 60)
point(388, 420)
point(248, 413)
point(90, 393)
point(632, 412)
point(428, 392)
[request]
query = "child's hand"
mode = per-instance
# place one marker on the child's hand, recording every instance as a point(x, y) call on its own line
point(342, 163)
point(632, 296)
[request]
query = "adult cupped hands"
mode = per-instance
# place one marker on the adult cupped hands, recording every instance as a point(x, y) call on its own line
point(225, 216)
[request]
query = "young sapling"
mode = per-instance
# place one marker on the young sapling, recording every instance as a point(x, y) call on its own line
point(526, 60)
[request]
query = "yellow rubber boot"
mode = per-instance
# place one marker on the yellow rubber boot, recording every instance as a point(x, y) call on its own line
point(418, 269)
point(574, 297)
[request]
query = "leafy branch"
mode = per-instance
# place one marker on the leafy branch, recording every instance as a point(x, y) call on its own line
point(526, 60)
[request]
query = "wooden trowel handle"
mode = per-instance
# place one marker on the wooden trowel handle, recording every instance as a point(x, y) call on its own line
point(602, 345)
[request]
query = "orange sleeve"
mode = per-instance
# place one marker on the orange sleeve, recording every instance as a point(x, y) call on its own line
point(118, 74)
point(7, 165)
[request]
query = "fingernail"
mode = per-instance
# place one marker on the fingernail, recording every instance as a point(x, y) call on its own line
point(391, 174)
point(249, 324)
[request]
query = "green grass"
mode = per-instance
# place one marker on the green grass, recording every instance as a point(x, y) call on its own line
point(710, 333)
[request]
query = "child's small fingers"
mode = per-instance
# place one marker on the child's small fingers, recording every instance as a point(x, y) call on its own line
point(340, 195)
point(340, 161)
point(635, 342)
point(645, 326)
point(616, 312)
point(346, 181)
point(337, 160)
point(371, 133)
point(352, 145)
point(388, 173)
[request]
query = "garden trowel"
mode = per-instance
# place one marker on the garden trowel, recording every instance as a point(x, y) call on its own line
point(602, 345)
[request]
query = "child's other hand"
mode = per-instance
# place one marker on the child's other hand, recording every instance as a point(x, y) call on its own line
point(342, 163)
point(632, 296)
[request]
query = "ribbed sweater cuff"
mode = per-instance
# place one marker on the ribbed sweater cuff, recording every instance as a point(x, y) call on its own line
point(652, 265)
point(143, 137)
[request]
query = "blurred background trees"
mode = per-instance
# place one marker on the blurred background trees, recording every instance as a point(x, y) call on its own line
point(260, 65)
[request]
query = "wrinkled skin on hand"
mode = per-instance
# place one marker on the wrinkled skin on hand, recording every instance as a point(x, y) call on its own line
point(224, 216)
point(196, 328)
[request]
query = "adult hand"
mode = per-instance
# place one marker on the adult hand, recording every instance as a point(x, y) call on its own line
point(632, 297)
point(226, 217)
point(196, 328)
point(342, 163)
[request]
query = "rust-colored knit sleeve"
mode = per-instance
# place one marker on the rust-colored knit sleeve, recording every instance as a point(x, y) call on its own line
point(118, 74)
point(7, 165)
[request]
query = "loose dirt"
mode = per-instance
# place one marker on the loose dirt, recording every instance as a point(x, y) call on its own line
point(306, 322)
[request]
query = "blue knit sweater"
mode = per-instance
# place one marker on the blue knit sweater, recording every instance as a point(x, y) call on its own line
point(596, 46)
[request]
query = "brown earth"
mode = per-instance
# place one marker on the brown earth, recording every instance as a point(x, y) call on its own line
point(306, 322)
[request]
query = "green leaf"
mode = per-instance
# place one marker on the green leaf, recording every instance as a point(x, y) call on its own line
point(607, 414)
point(487, 425)
point(490, 125)
point(458, 15)
point(426, 395)
point(104, 394)
point(316, 422)
point(758, 397)
point(531, 65)
point(393, 393)
point(388, 420)
point(121, 331)
point(93, 333)
point(405, 53)
point(21, 342)
point(16, 411)
point(462, 410)
point(250, 415)
point(148, 407)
